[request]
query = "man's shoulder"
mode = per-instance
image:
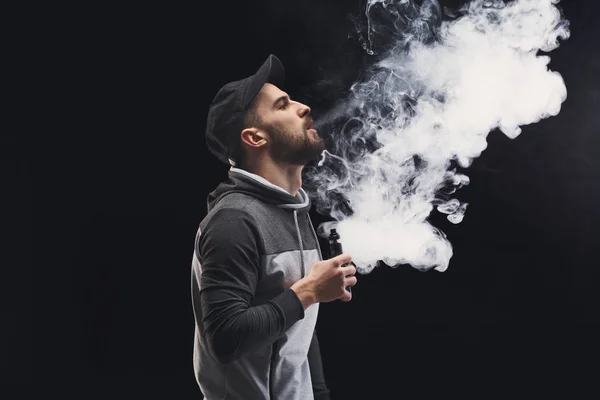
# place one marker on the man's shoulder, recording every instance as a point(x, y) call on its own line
point(237, 205)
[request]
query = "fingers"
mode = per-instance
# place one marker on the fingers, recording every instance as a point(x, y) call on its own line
point(351, 281)
point(347, 296)
point(348, 270)
point(342, 259)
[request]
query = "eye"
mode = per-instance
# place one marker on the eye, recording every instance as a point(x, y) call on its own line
point(283, 105)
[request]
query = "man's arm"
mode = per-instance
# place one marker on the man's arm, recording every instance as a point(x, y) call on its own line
point(320, 390)
point(228, 251)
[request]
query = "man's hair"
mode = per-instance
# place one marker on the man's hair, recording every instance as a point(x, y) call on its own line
point(251, 118)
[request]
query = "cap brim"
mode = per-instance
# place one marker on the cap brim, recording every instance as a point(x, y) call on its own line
point(271, 71)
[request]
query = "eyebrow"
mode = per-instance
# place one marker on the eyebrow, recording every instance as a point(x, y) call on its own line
point(282, 98)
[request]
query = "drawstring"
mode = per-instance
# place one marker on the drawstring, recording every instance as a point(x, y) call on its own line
point(300, 241)
point(316, 238)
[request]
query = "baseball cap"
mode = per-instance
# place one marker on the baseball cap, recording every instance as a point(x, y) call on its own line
point(226, 113)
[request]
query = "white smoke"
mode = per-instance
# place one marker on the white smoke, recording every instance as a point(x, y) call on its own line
point(424, 112)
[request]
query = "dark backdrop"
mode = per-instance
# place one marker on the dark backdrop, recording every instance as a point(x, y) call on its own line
point(129, 173)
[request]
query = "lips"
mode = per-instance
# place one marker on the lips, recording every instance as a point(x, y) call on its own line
point(309, 127)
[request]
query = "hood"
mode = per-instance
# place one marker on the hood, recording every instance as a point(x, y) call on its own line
point(241, 181)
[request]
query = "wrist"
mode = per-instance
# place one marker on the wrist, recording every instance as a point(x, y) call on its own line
point(304, 289)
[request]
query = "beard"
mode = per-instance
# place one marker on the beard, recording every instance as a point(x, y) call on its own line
point(289, 148)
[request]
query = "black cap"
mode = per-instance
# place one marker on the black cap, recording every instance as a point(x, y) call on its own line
point(226, 113)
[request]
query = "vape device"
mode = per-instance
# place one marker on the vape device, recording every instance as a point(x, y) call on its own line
point(335, 248)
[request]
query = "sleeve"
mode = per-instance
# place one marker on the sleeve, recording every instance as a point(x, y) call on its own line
point(228, 252)
point(320, 390)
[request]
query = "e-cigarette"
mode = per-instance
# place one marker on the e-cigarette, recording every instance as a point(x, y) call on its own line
point(335, 248)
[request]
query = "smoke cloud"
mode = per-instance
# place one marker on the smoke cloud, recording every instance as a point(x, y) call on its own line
point(442, 81)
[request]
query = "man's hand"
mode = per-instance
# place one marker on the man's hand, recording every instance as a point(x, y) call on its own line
point(327, 281)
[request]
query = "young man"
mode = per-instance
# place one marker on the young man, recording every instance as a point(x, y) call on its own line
point(258, 275)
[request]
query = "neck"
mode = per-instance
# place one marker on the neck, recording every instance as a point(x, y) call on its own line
point(288, 177)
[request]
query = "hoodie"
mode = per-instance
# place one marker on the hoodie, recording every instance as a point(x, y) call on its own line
point(253, 339)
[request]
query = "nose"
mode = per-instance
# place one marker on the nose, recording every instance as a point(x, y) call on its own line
point(303, 110)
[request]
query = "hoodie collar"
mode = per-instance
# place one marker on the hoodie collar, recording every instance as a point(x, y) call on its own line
point(301, 197)
point(242, 181)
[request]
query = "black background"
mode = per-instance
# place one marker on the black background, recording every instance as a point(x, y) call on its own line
point(127, 173)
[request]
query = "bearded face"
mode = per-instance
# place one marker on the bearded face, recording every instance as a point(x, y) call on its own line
point(283, 128)
point(296, 147)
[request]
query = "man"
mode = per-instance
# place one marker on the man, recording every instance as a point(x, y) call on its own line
point(257, 273)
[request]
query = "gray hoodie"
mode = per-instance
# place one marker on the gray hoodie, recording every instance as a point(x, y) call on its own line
point(253, 339)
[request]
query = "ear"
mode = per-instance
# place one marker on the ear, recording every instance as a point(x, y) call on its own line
point(253, 137)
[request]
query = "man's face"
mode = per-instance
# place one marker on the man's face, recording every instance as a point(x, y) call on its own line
point(289, 127)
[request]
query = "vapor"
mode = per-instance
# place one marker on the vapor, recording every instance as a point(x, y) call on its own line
point(422, 113)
